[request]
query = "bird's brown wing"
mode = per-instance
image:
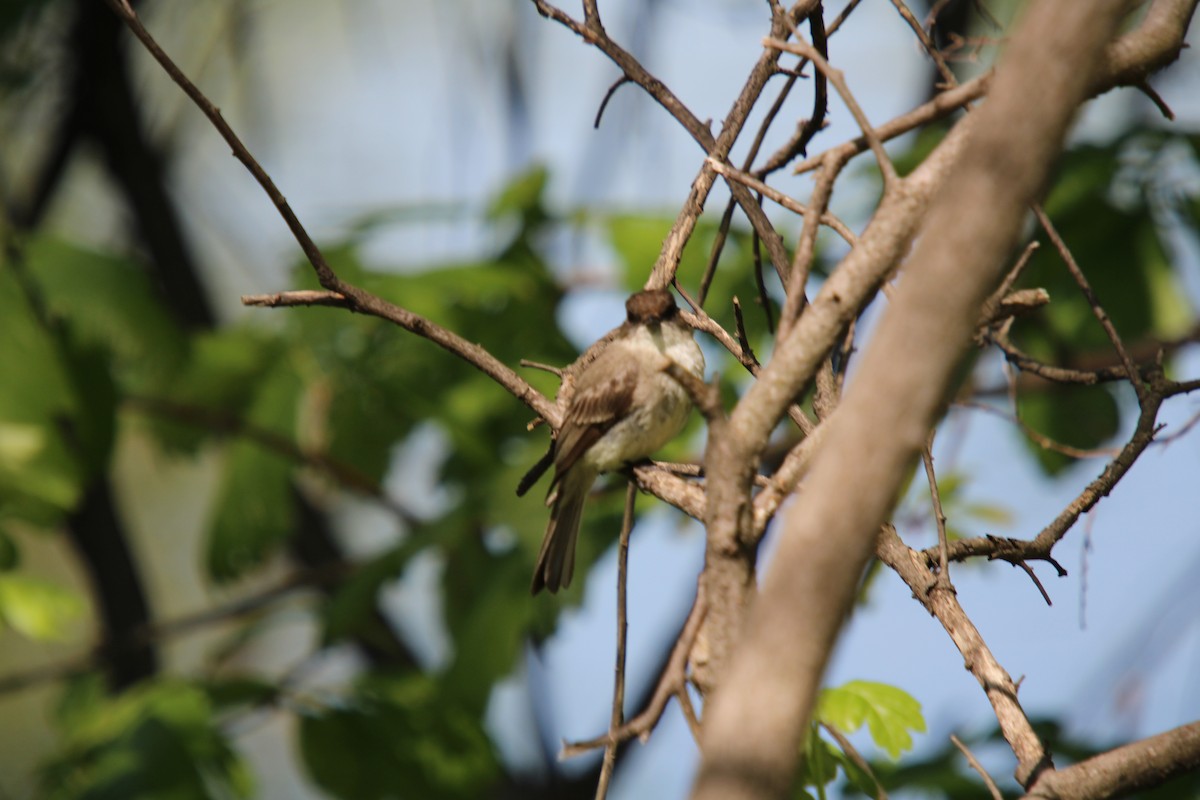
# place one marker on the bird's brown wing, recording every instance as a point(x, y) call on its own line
point(596, 406)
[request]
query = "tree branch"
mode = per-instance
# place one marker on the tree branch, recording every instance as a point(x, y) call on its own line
point(352, 297)
point(1124, 770)
point(755, 720)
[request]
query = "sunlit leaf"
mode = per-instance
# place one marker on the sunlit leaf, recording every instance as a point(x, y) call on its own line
point(888, 712)
point(37, 608)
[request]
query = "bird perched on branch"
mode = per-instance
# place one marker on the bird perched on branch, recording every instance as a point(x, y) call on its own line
point(623, 408)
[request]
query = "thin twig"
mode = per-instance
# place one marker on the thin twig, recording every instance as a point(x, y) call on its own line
point(674, 676)
point(795, 299)
point(838, 79)
point(621, 81)
point(1040, 439)
point(771, 193)
point(701, 321)
point(1097, 310)
point(926, 43)
point(939, 516)
point(714, 256)
point(1036, 436)
point(764, 301)
point(125, 11)
point(1182, 431)
point(987, 779)
point(685, 222)
point(809, 127)
point(993, 302)
point(618, 703)
point(553, 370)
point(940, 106)
point(740, 326)
point(855, 756)
point(1036, 581)
point(1157, 99)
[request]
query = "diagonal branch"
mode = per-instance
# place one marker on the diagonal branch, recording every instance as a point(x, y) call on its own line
point(352, 297)
point(997, 684)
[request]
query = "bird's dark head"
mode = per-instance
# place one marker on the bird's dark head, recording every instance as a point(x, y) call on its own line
point(652, 305)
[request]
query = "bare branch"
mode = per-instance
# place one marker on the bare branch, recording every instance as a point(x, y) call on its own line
point(1040, 547)
point(926, 42)
point(1124, 770)
point(806, 249)
point(718, 146)
point(1001, 692)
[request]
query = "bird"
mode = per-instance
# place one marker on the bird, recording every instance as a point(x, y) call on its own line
point(624, 407)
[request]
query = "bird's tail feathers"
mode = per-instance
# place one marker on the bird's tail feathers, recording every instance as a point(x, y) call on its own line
point(556, 559)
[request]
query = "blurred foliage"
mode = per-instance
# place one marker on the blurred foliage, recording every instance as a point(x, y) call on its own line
point(159, 740)
point(406, 736)
point(1121, 207)
point(1115, 206)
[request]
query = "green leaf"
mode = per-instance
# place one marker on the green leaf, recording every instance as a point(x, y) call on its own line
point(39, 473)
point(111, 307)
point(350, 611)
point(1083, 417)
point(160, 740)
point(397, 737)
point(237, 692)
point(36, 608)
point(255, 509)
point(820, 762)
point(10, 554)
point(211, 392)
point(889, 713)
point(521, 195)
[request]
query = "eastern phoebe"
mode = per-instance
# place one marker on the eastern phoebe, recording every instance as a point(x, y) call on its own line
point(624, 407)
